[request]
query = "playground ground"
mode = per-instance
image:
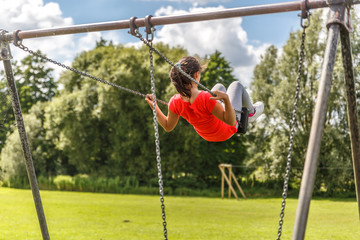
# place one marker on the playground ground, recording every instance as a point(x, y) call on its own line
point(86, 216)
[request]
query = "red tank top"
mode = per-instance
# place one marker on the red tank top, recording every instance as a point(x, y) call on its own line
point(199, 115)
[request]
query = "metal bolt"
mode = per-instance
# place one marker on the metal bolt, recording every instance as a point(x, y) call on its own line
point(4, 53)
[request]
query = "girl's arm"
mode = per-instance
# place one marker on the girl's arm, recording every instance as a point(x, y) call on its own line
point(167, 122)
point(226, 115)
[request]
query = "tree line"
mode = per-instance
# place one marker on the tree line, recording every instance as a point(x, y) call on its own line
point(78, 126)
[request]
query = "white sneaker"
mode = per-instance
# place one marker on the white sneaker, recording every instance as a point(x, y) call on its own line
point(259, 109)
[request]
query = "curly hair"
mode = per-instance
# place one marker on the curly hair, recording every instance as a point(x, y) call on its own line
point(190, 65)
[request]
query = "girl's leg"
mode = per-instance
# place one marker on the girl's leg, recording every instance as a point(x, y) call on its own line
point(219, 87)
point(239, 98)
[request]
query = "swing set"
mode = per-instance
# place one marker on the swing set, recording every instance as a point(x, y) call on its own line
point(339, 26)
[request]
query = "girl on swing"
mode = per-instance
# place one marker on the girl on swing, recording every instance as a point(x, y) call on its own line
point(213, 118)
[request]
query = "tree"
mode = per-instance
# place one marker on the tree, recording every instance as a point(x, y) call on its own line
point(108, 132)
point(5, 112)
point(265, 80)
point(274, 81)
point(46, 157)
point(34, 82)
point(217, 70)
point(103, 130)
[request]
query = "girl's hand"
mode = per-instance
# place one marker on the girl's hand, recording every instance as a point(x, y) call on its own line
point(149, 99)
point(167, 122)
point(226, 115)
point(220, 95)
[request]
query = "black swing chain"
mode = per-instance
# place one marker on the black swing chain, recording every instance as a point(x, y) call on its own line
point(20, 45)
point(292, 126)
point(156, 128)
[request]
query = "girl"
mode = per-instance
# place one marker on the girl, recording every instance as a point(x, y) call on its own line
point(214, 118)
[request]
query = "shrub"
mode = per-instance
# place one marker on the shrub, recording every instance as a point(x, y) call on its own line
point(64, 182)
point(19, 182)
point(46, 183)
point(83, 183)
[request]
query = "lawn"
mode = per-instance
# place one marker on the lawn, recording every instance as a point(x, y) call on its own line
point(80, 216)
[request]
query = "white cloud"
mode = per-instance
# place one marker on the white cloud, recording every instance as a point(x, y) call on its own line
point(30, 14)
point(114, 36)
point(357, 8)
point(204, 38)
point(88, 41)
point(34, 14)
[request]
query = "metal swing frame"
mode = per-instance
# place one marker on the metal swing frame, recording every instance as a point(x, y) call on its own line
point(339, 26)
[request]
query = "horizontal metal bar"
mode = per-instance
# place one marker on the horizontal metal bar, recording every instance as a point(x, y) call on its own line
point(185, 18)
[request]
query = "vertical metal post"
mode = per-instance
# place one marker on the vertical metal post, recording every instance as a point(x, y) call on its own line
point(308, 178)
point(6, 56)
point(351, 108)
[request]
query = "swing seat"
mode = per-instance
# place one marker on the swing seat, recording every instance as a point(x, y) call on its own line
point(243, 121)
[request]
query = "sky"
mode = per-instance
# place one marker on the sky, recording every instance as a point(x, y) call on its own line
point(240, 40)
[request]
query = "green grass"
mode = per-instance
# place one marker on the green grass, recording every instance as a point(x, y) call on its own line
point(73, 215)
